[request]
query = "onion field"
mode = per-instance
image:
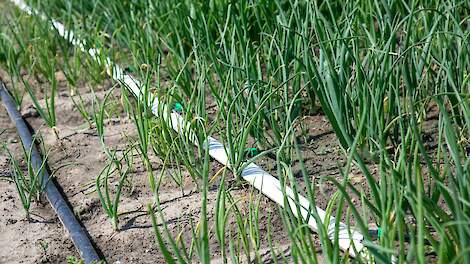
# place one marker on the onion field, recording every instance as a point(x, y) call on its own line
point(250, 131)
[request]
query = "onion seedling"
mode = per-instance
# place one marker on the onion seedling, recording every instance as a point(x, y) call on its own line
point(111, 204)
point(38, 56)
point(141, 117)
point(79, 104)
point(100, 114)
point(29, 184)
point(9, 60)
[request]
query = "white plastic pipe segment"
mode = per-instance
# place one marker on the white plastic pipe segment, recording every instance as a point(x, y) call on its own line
point(349, 240)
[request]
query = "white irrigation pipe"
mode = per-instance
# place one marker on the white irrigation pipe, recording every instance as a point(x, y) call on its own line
point(348, 239)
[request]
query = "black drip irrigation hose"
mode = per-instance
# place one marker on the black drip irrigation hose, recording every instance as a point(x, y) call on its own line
point(77, 233)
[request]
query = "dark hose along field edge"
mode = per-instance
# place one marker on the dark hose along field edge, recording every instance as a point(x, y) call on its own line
point(77, 232)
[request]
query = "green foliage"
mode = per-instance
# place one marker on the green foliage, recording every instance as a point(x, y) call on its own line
point(29, 181)
point(103, 183)
point(248, 72)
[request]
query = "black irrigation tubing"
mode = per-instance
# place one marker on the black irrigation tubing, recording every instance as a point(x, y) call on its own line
point(77, 233)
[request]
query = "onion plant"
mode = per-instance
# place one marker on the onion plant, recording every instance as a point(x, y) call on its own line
point(200, 233)
point(100, 115)
point(115, 166)
point(37, 55)
point(29, 182)
point(141, 116)
point(80, 106)
point(8, 59)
